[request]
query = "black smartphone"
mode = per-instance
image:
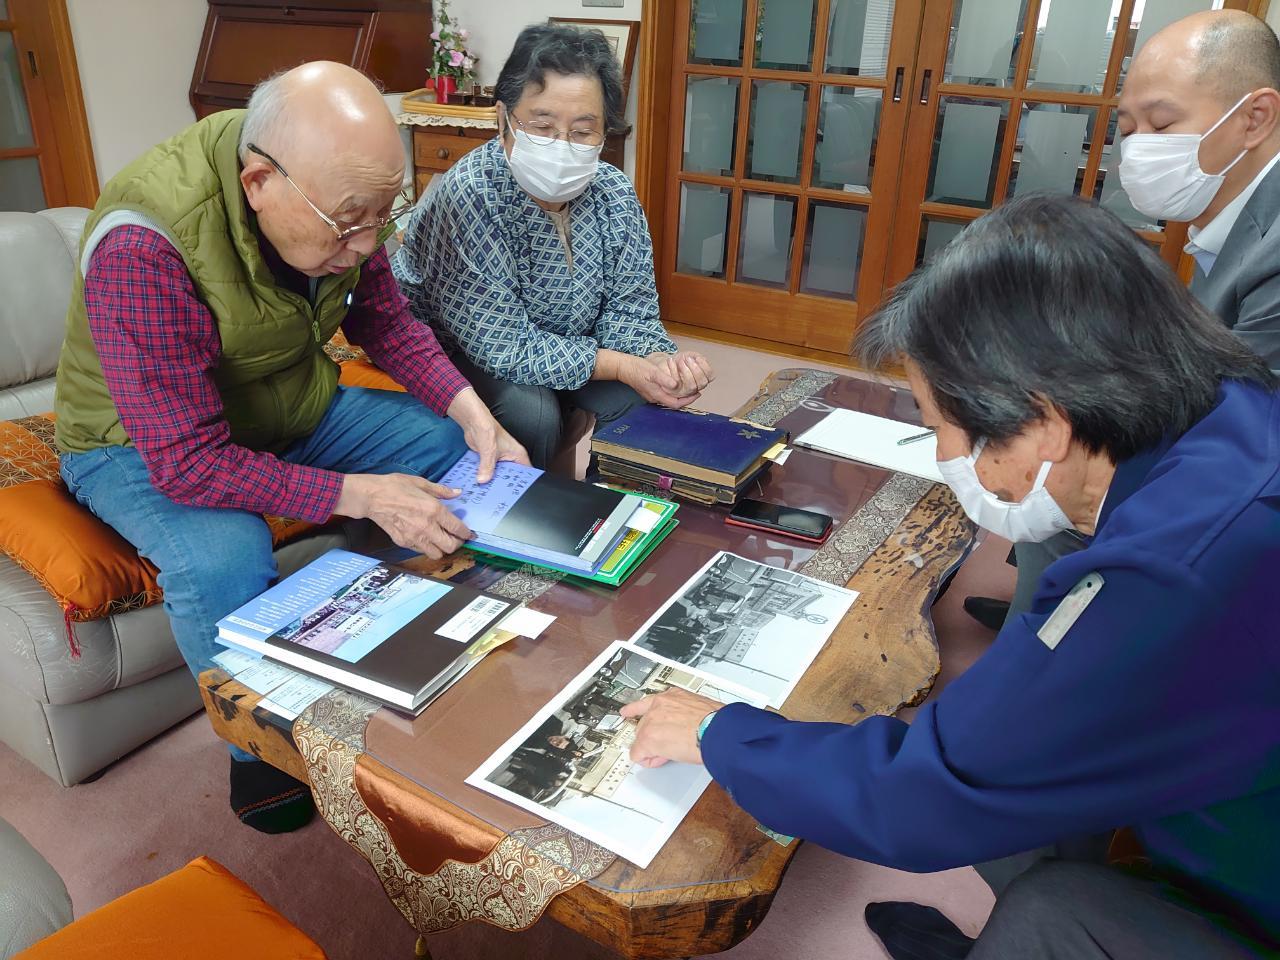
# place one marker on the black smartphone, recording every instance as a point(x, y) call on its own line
point(791, 521)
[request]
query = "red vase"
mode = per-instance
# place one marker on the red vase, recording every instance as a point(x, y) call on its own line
point(446, 89)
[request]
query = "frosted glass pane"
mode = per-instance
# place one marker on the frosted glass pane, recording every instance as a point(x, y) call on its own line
point(710, 125)
point(1073, 45)
point(4, 9)
point(934, 235)
point(833, 250)
point(715, 32)
point(21, 187)
point(704, 219)
point(848, 120)
point(1108, 191)
point(15, 121)
point(858, 35)
point(785, 35)
point(983, 41)
point(768, 222)
point(964, 158)
point(1051, 154)
point(777, 130)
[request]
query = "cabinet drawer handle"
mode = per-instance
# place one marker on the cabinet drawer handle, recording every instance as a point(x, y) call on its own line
point(443, 153)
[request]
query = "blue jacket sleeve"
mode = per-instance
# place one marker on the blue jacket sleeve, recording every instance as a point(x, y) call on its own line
point(1030, 745)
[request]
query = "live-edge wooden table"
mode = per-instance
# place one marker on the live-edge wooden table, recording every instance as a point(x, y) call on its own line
point(882, 656)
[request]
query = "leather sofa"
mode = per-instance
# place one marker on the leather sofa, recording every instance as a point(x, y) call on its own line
point(69, 716)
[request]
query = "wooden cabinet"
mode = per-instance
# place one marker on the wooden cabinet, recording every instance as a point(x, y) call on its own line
point(436, 149)
point(249, 40)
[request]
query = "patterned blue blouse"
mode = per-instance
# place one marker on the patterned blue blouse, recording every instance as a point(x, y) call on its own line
point(484, 265)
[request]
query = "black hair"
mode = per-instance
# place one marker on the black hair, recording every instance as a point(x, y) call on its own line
point(568, 51)
point(1048, 300)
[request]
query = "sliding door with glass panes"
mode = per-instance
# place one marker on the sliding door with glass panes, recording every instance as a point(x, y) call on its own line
point(821, 149)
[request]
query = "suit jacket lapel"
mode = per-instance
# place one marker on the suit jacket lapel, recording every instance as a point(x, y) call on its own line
point(1217, 290)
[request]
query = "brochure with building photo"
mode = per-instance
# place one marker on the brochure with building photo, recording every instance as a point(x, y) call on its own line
point(753, 626)
point(374, 627)
point(571, 762)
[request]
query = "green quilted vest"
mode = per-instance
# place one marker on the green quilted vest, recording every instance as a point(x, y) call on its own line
point(274, 377)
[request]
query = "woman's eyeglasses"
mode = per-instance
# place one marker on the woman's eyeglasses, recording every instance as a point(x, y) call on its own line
point(343, 234)
point(544, 134)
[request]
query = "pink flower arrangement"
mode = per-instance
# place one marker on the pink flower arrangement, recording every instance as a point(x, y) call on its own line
point(450, 56)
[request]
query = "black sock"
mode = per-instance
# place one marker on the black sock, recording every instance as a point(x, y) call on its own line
point(912, 931)
point(268, 800)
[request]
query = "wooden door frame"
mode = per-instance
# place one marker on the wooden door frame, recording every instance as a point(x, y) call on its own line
point(653, 113)
point(42, 32)
point(653, 152)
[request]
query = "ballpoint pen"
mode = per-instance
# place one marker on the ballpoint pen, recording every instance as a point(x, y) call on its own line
point(919, 436)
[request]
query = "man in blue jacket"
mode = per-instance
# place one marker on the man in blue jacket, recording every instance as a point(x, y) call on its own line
point(1073, 384)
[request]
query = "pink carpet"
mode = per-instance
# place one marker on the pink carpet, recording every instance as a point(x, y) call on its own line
point(167, 803)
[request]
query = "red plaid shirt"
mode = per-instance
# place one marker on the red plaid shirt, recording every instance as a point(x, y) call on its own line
point(159, 346)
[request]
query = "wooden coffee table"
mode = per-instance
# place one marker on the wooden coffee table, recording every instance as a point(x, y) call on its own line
point(715, 879)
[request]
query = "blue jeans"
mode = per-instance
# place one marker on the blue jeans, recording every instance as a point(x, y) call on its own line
point(213, 560)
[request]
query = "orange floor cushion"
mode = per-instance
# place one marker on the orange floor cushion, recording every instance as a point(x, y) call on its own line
point(202, 910)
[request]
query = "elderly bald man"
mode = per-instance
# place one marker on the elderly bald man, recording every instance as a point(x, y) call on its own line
point(1200, 118)
point(194, 394)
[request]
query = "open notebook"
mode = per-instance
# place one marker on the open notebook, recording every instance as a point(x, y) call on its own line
point(874, 440)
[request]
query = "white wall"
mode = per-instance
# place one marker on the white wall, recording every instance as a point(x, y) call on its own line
point(1273, 15)
point(136, 58)
point(494, 25)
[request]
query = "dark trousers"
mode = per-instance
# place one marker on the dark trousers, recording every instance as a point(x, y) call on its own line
point(1072, 910)
point(536, 416)
point(1065, 903)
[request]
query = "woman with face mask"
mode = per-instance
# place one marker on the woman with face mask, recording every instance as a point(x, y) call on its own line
point(532, 259)
point(1073, 383)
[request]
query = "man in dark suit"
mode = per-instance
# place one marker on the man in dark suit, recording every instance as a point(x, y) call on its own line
point(1210, 80)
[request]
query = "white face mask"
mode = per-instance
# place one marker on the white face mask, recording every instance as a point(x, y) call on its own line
point(1034, 518)
point(1161, 172)
point(555, 173)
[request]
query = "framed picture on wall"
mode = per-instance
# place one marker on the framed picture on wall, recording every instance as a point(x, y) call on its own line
point(623, 36)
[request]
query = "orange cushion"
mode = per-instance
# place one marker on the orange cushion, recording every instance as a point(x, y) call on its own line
point(362, 373)
point(88, 568)
point(202, 910)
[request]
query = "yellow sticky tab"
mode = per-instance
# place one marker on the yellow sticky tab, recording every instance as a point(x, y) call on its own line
point(1069, 610)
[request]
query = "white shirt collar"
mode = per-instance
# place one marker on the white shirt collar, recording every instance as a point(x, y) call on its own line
point(1211, 239)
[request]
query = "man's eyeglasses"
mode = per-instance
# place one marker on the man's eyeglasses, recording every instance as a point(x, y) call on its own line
point(544, 134)
point(343, 234)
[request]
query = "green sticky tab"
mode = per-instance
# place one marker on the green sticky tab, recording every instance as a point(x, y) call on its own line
point(779, 838)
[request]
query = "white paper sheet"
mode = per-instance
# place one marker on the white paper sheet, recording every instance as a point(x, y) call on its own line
point(874, 440)
point(584, 778)
point(264, 676)
point(295, 695)
point(233, 661)
point(748, 625)
point(524, 622)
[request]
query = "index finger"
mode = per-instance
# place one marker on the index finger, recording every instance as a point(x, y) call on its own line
point(637, 709)
point(450, 524)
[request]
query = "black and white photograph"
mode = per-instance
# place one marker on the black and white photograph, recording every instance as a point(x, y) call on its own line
point(571, 763)
point(754, 626)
